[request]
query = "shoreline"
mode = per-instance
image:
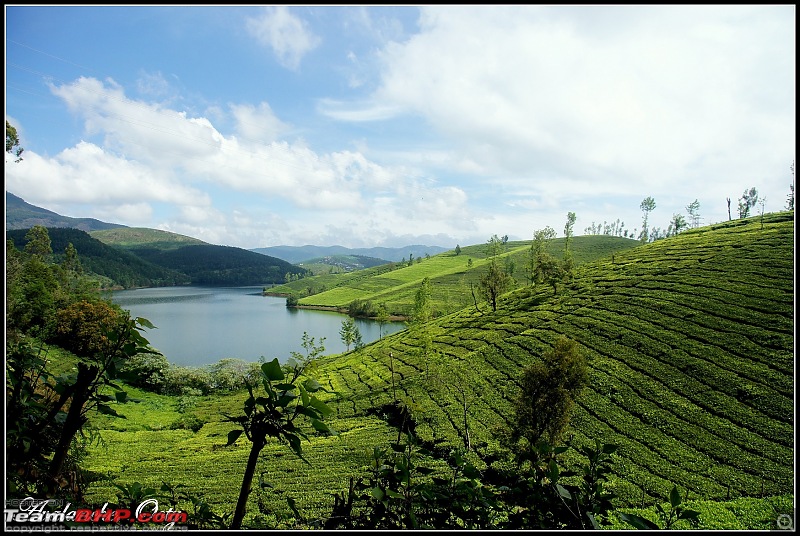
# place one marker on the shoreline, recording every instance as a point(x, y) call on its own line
point(343, 310)
point(335, 309)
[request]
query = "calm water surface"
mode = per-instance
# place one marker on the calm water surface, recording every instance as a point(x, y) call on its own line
point(197, 326)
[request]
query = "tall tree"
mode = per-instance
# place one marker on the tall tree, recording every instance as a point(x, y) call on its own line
point(544, 267)
point(647, 206)
point(494, 282)
point(494, 246)
point(677, 225)
point(421, 315)
point(38, 242)
point(537, 252)
point(790, 199)
point(747, 201)
point(423, 303)
point(693, 209)
point(382, 317)
point(568, 263)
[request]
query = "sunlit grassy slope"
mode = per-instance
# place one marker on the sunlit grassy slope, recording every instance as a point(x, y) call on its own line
point(690, 344)
point(133, 237)
point(395, 284)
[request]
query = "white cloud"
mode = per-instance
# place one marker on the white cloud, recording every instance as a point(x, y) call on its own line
point(287, 35)
point(88, 174)
point(488, 120)
point(356, 112)
point(654, 100)
point(160, 163)
point(259, 162)
point(257, 123)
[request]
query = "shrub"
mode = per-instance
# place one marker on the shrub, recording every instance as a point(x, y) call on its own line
point(187, 380)
point(188, 421)
point(361, 308)
point(146, 371)
point(229, 374)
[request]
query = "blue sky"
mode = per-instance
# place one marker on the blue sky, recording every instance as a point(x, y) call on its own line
point(387, 126)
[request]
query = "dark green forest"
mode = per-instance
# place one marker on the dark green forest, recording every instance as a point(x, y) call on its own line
point(152, 267)
point(121, 267)
point(220, 265)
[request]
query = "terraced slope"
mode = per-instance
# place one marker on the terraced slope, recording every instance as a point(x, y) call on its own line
point(394, 285)
point(690, 342)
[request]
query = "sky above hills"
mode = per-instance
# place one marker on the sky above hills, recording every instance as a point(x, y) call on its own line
point(386, 126)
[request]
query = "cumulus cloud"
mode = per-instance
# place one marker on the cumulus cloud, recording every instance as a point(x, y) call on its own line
point(151, 160)
point(287, 35)
point(654, 98)
point(88, 174)
point(257, 123)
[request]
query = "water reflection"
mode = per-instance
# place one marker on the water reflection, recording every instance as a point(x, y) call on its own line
point(200, 325)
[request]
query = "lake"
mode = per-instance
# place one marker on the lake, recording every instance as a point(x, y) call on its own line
point(198, 326)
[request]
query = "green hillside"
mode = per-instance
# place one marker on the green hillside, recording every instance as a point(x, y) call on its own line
point(113, 266)
point(690, 345)
point(451, 275)
point(132, 237)
point(220, 265)
point(203, 263)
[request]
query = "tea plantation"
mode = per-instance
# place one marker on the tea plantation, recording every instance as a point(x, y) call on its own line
point(690, 345)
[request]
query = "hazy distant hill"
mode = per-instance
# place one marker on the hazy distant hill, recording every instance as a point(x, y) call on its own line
point(295, 254)
point(23, 215)
point(334, 264)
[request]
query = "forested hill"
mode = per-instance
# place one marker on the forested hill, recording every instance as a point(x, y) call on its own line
point(203, 263)
point(23, 215)
point(120, 267)
point(165, 261)
point(220, 265)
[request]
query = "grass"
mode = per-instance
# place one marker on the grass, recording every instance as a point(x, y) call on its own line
point(131, 237)
point(690, 345)
point(452, 276)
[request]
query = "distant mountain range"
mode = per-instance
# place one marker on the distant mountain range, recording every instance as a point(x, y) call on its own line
point(297, 254)
point(23, 215)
